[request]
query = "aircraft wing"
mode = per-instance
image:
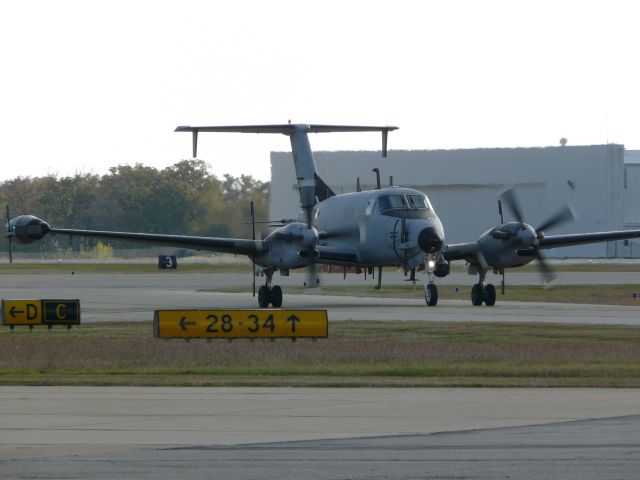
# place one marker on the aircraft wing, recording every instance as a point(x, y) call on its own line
point(553, 241)
point(461, 251)
point(225, 245)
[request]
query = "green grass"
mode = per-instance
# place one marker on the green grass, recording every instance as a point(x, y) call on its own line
point(358, 353)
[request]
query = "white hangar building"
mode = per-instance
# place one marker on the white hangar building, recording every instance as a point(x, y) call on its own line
point(600, 182)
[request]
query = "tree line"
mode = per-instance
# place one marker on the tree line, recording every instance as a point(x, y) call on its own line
point(185, 198)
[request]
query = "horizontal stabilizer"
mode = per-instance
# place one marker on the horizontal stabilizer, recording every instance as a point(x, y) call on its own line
point(287, 129)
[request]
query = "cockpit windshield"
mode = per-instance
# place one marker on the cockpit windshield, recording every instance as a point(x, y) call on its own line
point(417, 201)
point(403, 202)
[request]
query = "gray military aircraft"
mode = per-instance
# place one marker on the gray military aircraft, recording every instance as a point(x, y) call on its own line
point(385, 227)
point(366, 229)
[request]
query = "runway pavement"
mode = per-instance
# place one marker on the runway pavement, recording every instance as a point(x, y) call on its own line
point(93, 432)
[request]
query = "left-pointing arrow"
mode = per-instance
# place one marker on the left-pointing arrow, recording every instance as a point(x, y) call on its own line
point(13, 311)
point(184, 322)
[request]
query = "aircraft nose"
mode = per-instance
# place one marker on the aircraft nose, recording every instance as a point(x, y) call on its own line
point(430, 240)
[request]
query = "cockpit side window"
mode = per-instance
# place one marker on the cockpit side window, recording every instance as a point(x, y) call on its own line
point(392, 202)
point(369, 209)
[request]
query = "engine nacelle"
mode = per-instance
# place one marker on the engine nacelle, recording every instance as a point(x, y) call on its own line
point(442, 269)
point(28, 229)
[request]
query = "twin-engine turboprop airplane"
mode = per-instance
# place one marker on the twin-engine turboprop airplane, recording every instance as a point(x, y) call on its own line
point(384, 227)
point(376, 228)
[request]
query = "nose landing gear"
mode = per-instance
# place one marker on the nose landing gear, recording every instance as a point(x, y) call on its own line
point(430, 288)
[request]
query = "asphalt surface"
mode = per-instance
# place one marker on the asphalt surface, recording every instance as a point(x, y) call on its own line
point(246, 433)
point(160, 433)
point(118, 297)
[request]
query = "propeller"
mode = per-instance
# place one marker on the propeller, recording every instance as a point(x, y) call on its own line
point(512, 204)
point(9, 235)
point(528, 235)
point(404, 237)
point(562, 216)
point(253, 237)
point(502, 269)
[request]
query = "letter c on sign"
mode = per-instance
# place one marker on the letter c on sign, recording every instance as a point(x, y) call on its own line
point(60, 311)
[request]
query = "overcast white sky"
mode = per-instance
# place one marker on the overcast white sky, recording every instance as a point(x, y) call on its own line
point(89, 85)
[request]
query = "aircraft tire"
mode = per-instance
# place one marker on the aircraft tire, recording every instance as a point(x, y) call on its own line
point(490, 295)
point(276, 296)
point(264, 296)
point(476, 295)
point(431, 295)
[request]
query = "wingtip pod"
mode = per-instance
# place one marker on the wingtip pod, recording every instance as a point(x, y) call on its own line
point(28, 229)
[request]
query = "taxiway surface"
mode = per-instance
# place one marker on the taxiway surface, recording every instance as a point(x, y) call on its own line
point(163, 433)
point(117, 297)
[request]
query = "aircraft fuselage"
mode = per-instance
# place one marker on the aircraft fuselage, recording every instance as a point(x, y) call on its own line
point(387, 227)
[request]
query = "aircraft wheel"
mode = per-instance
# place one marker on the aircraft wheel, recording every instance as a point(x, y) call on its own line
point(490, 295)
point(476, 295)
point(431, 295)
point(276, 296)
point(264, 296)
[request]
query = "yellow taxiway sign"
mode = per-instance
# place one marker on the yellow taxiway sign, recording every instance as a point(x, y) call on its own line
point(240, 324)
point(40, 312)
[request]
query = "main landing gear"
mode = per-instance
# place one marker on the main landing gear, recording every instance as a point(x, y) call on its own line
point(268, 294)
point(483, 293)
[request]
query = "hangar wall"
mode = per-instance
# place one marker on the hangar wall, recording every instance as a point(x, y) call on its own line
point(463, 186)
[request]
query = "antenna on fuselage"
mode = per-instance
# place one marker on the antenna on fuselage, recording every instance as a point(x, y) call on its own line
point(358, 189)
point(377, 170)
point(391, 180)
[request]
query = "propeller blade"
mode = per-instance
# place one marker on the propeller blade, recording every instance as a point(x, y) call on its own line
point(511, 202)
point(253, 236)
point(545, 269)
point(404, 237)
point(564, 215)
point(9, 235)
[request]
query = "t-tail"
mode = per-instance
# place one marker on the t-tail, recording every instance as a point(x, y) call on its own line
point(311, 187)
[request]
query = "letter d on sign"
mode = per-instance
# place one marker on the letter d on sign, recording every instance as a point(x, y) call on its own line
point(32, 311)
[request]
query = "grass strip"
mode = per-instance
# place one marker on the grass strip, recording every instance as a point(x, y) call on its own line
point(358, 353)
